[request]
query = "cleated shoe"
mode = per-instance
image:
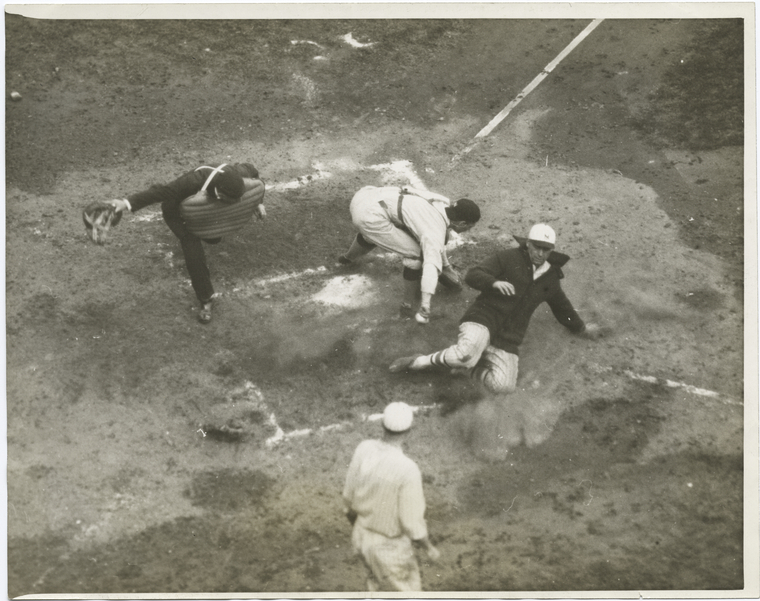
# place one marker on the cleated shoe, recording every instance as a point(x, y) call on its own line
point(422, 316)
point(403, 364)
point(204, 315)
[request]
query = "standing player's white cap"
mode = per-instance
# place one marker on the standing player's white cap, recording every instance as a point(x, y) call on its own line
point(542, 234)
point(397, 417)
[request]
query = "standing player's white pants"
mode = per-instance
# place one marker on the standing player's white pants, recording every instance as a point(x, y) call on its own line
point(495, 368)
point(372, 220)
point(391, 561)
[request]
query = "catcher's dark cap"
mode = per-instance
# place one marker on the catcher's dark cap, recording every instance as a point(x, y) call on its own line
point(464, 209)
point(229, 183)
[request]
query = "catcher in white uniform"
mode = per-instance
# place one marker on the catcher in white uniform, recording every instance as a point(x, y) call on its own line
point(414, 224)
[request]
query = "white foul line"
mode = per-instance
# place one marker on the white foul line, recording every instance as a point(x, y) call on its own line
point(687, 387)
point(281, 436)
point(529, 88)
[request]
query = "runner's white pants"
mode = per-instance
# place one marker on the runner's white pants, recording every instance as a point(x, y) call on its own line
point(495, 368)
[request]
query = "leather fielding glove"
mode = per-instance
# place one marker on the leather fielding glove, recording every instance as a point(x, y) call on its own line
point(450, 278)
point(99, 216)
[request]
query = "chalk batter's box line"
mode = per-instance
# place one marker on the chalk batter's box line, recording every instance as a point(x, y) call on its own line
point(282, 436)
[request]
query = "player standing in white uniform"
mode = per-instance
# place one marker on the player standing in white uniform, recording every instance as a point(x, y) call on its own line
point(385, 503)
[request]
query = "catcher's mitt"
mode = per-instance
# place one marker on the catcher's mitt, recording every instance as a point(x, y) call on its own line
point(450, 278)
point(98, 218)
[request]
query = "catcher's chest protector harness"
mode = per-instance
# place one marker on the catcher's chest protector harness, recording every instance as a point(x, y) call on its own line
point(208, 217)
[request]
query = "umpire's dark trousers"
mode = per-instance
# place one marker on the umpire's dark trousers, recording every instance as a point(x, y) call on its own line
point(192, 248)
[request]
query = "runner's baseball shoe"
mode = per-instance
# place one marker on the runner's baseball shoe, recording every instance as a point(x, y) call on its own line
point(403, 363)
point(422, 316)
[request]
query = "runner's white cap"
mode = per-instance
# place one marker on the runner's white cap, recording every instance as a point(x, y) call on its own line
point(397, 417)
point(542, 234)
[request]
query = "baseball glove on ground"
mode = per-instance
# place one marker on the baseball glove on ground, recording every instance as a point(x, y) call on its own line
point(99, 217)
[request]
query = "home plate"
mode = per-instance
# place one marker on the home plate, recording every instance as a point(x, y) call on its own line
point(351, 291)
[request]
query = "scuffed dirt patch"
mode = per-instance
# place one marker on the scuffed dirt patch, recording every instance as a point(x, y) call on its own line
point(228, 490)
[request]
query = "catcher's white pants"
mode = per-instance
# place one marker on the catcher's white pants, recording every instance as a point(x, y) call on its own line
point(495, 368)
point(372, 220)
point(391, 561)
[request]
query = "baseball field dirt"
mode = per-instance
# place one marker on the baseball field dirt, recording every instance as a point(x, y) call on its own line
point(149, 453)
